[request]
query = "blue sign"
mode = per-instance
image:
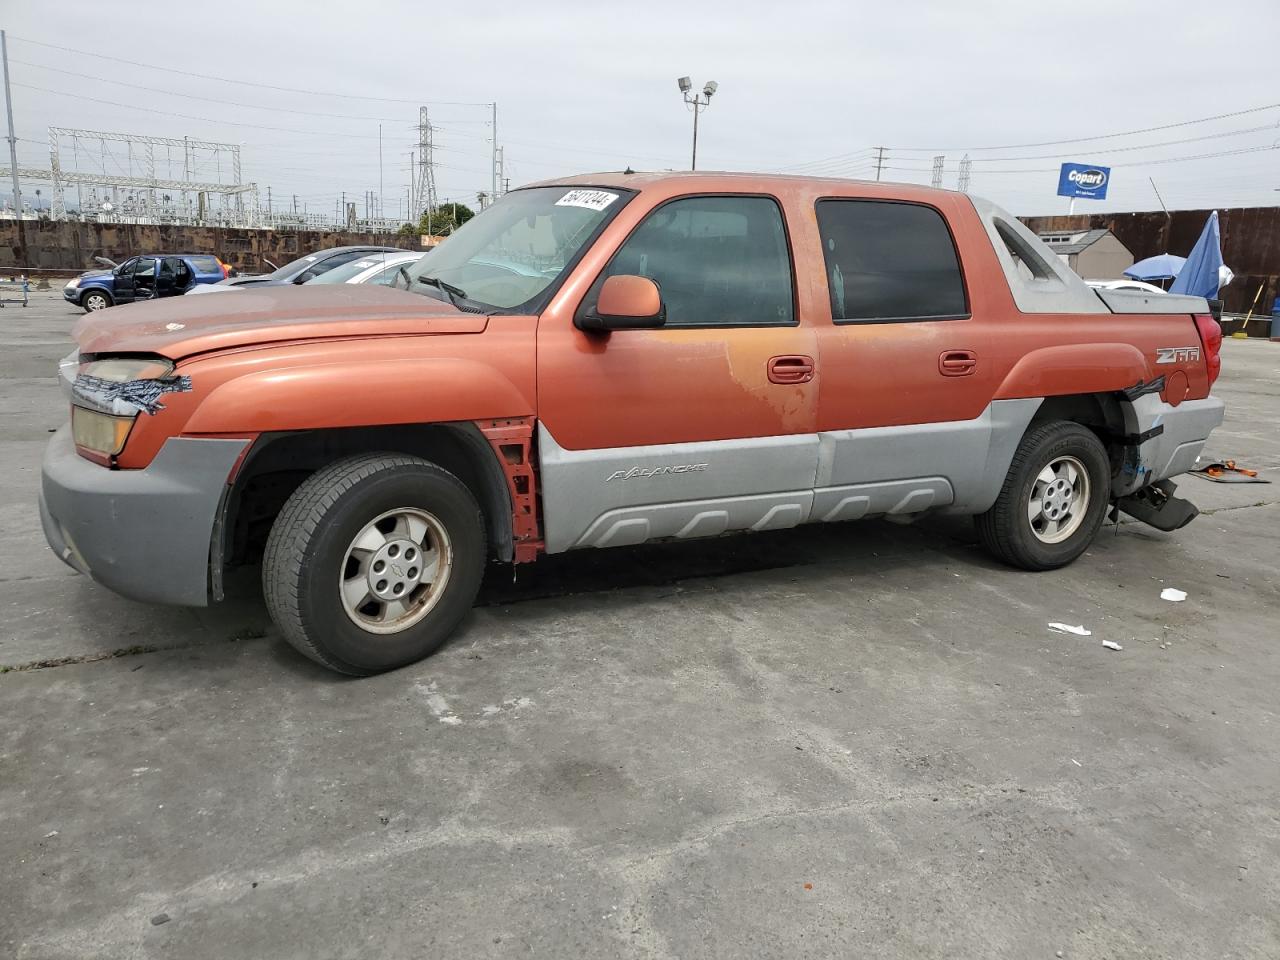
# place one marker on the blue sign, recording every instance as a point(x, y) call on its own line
point(1083, 180)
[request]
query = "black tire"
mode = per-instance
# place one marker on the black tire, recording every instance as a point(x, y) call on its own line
point(1006, 529)
point(308, 548)
point(105, 297)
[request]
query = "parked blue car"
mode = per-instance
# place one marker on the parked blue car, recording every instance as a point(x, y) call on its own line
point(143, 278)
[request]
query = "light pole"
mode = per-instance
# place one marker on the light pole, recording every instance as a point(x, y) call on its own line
point(698, 103)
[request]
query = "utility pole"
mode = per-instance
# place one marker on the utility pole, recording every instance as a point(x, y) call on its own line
point(426, 161)
point(1168, 217)
point(879, 161)
point(268, 201)
point(698, 103)
point(380, 186)
point(493, 191)
point(13, 154)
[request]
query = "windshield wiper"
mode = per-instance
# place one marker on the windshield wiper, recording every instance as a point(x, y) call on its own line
point(453, 293)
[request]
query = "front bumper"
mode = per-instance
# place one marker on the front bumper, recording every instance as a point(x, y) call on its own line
point(71, 295)
point(144, 534)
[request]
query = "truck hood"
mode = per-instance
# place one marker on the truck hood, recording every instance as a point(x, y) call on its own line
point(94, 274)
point(183, 326)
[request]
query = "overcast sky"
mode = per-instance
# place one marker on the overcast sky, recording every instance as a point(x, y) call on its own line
point(804, 87)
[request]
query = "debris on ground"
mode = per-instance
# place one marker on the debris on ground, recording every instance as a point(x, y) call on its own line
point(1067, 628)
point(51, 834)
point(159, 918)
point(1172, 593)
point(1111, 645)
point(1226, 471)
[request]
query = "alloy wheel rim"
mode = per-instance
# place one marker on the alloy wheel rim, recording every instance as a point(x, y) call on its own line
point(395, 570)
point(1059, 500)
point(96, 303)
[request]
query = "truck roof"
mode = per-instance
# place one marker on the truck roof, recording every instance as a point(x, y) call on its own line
point(729, 181)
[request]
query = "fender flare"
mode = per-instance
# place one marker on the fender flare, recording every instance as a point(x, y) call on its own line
point(1074, 369)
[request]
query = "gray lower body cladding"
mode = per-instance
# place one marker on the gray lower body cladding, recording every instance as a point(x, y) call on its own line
point(625, 495)
point(145, 534)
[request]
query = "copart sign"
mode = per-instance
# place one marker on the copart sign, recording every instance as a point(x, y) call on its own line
point(1083, 180)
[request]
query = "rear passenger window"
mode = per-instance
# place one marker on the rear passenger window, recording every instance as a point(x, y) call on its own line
point(719, 261)
point(889, 261)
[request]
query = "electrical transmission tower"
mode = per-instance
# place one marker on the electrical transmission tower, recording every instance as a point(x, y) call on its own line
point(962, 182)
point(425, 181)
point(937, 171)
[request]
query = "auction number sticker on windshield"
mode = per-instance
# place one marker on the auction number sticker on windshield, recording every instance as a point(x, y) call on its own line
point(591, 199)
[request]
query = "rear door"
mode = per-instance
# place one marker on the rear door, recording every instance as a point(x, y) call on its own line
point(701, 426)
point(907, 372)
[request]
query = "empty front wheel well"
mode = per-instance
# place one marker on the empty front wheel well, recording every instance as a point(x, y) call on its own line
point(278, 463)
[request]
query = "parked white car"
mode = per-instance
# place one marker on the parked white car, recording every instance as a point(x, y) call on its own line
point(379, 268)
point(1134, 286)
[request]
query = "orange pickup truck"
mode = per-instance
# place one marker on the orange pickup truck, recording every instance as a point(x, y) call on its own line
point(612, 359)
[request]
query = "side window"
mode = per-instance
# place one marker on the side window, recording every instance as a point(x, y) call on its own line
point(144, 268)
point(324, 266)
point(719, 260)
point(889, 261)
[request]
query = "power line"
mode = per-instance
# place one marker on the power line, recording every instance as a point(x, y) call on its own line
point(1105, 136)
point(1140, 146)
point(1135, 163)
point(186, 116)
point(191, 96)
point(246, 83)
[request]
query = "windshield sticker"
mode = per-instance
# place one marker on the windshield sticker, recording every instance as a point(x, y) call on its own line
point(591, 199)
point(367, 263)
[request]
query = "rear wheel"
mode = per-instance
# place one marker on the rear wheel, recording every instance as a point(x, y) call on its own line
point(95, 300)
point(1053, 500)
point(373, 562)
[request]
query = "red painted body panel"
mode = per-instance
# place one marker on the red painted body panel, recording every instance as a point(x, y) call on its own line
point(300, 358)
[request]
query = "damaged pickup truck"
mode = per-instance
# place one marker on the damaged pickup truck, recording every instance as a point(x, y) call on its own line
point(609, 360)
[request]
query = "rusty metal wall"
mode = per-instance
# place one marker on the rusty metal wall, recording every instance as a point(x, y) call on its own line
point(1250, 244)
point(70, 245)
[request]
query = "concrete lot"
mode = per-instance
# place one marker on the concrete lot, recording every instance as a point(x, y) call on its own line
point(850, 741)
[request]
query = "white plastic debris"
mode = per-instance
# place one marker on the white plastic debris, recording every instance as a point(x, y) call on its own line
point(1067, 628)
point(1111, 645)
point(1170, 593)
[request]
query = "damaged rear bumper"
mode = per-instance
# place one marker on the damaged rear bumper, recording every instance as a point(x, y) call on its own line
point(144, 534)
point(1163, 440)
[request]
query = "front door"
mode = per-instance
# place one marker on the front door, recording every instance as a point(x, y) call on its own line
point(704, 425)
point(136, 280)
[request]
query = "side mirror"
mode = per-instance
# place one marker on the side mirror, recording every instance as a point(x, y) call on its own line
point(626, 303)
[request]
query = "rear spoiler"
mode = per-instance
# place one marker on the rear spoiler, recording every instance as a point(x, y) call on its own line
point(1134, 301)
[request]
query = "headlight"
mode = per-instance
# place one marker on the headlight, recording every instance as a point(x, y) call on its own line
point(73, 283)
point(108, 395)
point(123, 370)
point(99, 432)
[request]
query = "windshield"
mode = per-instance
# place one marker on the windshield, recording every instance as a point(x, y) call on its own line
point(508, 255)
point(292, 267)
point(348, 270)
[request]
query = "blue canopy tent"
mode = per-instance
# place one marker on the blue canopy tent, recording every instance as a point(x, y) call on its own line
point(1201, 277)
point(1163, 266)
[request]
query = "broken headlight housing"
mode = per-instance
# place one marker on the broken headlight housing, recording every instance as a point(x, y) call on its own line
point(108, 395)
